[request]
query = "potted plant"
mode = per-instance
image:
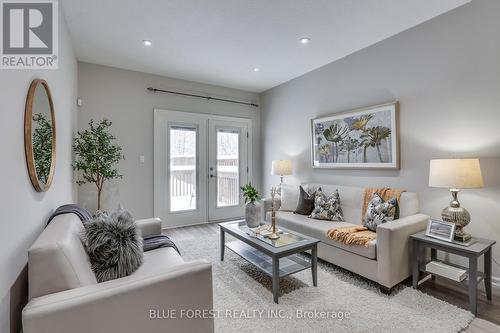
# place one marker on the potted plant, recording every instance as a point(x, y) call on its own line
point(252, 208)
point(96, 156)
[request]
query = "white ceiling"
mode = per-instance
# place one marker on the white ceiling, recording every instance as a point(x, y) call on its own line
point(221, 41)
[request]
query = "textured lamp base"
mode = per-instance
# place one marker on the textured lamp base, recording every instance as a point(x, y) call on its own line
point(461, 235)
point(460, 217)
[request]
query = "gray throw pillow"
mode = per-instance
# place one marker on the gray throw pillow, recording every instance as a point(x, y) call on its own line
point(380, 211)
point(114, 245)
point(306, 202)
point(327, 208)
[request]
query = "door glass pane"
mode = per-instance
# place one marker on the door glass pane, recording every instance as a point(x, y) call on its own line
point(182, 169)
point(228, 165)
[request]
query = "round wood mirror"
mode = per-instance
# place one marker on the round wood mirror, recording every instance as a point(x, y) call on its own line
point(40, 135)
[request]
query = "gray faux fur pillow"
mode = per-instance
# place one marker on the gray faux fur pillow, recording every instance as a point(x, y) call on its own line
point(114, 245)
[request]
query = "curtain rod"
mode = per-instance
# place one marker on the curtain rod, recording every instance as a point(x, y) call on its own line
point(209, 98)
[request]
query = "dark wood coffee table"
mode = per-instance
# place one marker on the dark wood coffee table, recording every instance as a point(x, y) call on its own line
point(276, 258)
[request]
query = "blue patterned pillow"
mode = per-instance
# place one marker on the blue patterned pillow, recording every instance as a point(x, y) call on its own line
point(380, 211)
point(327, 208)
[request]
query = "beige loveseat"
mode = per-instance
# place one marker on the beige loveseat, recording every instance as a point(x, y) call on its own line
point(65, 296)
point(386, 260)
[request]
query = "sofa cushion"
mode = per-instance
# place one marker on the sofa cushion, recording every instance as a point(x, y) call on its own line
point(306, 202)
point(327, 208)
point(57, 260)
point(318, 230)
point(158, 261)
point(380, 211)
point(351, 200)
point(114, 245)
point(408, 204)
point(289, 197)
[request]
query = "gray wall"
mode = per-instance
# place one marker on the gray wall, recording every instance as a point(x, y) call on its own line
point(446, 75)
point(121, 96)
point(23, 211)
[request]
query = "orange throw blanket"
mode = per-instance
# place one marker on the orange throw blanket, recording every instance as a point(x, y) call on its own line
point(357, 235)
point(385, 193)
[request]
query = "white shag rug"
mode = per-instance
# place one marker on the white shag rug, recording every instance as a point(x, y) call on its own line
point(243, 300)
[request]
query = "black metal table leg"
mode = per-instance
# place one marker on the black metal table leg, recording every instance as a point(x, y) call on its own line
point(222, 243)
point(416, 263)
point(487, 273)
point(433, 257)
point(314, 264)
point(473, 284)
point(276, 279)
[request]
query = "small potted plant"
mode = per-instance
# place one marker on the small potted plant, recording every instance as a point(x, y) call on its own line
point(252, 208)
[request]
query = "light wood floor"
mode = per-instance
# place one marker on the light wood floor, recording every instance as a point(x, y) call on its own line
point(488, 317)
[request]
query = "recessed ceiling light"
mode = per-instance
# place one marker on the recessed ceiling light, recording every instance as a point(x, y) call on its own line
point(256, 69)
point(305, 40)
point(147, 42)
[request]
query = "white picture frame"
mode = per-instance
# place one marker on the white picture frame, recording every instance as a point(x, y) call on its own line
point(440, 230)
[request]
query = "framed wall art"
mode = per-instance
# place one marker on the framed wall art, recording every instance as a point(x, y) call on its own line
point(357, 139)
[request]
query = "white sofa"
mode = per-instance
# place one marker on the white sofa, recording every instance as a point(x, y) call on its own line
point(386, 260)
point(65, 296)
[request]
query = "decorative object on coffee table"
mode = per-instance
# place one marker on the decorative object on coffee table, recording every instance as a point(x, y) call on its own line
point(274, 232)
point(456, 174)
point(252, 208)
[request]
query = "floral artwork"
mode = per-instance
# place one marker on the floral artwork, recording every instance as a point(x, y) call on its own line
point(366, 138)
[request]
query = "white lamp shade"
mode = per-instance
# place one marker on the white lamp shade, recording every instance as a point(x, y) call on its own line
point(281, 167)
point(455, 173)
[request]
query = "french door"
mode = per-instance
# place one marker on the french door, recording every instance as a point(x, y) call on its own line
point(200, 163)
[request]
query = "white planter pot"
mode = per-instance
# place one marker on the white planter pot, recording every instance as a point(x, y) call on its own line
point(252, 214)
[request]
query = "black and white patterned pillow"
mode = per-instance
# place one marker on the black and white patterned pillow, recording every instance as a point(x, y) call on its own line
point(380, 211)
point(327, 208)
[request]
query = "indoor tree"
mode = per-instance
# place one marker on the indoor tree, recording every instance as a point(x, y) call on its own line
point(97, 155)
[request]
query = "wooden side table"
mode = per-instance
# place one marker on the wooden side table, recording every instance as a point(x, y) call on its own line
point(477, 248)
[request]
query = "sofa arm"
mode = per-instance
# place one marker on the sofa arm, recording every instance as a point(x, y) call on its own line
point(129, 305)
point(149, 227)
point(394, 248)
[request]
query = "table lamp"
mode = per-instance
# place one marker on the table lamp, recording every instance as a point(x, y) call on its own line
point(456, 174)
point(281, 168)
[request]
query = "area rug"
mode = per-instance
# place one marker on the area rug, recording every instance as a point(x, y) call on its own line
point(342, 302)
